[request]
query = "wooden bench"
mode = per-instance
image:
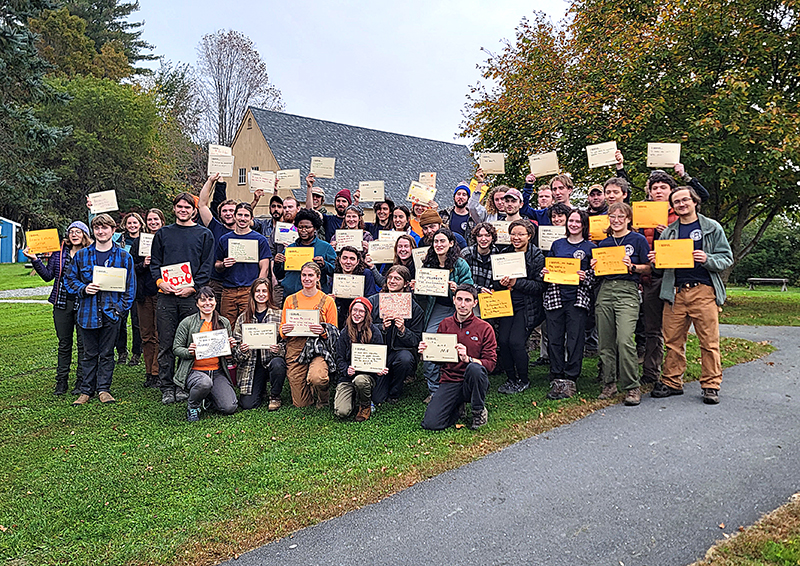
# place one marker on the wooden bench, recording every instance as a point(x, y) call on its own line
point(767, 281)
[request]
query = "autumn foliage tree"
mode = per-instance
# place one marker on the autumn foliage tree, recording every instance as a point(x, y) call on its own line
point(720, 77)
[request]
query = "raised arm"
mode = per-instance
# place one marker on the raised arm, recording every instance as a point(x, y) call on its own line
point(205, 196)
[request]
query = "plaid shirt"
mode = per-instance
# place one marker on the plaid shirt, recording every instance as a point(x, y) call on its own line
point(109, 303)
point(56, 268)
point(552, 295)
point(247, 360)
point(480, 265)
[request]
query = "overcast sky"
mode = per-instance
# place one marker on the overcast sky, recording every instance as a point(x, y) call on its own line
point(403, 67)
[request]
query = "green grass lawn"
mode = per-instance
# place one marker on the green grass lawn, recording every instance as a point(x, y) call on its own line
point(134, 483)
point(17, 276)
point(766, 306)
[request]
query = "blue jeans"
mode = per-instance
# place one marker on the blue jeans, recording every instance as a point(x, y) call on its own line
point(431, 369)
point(98, 356)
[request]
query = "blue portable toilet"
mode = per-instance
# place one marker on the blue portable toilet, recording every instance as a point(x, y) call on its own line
point(11, 240)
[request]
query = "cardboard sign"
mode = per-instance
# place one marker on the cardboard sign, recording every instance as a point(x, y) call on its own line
point(323, 167)
point(178, 275)
point(369, 358)
point(650, 214)
point(145, 244)
point(419, 193)
point(495, 305)
point(288, 179)
point(609, 261)
point(395, 305)
point(371, 191)
point(302, 320)
point(601, 154)
point(544, 164)
point(110, 278)
point(244, 251)
point(212, 344)
point(418, 255)
point(428, 179)
point(104, 201)
point(510, 265)
point(549, 234)
point(297, 257)
point(389, 235)
point(352, 238)
point(346, 286)
point(562, 270)
point(493, 163)
point(433, 282)
point(598, 226)
point(214, 149)
point(43, 241)
point(663, 155)
point(381, 251)
point(263, 180)
point(502, 226)
point(222, 164)
point(440, 347)
point(285, 233)
point(674, 254)
point(260, 336)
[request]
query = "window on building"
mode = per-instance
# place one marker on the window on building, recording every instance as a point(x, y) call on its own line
point(249, 123)
point(242, 176)
point(254, 169)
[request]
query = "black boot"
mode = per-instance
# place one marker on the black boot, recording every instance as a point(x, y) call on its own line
point(77, 390)
point(61, 386)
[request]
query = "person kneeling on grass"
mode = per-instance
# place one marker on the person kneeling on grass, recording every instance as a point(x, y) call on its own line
point(467, 379)
point(354, 391)
point(207, 379)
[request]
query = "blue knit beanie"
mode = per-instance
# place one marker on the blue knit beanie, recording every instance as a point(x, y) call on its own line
point(80, 225)
point(462, 186)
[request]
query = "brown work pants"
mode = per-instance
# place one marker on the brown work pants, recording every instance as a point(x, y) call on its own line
point(234, 302)
point(306, 379)
point(147, 327)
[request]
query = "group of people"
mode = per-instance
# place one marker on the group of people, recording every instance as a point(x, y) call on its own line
point(188, 283)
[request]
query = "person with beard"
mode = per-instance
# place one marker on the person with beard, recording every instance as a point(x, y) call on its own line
point(307, 223)
point(384, 210)
point(431, 223)
point(226, 211)
point(330, 223)
point(458, 218)
point(597, 201)
point(514, 201)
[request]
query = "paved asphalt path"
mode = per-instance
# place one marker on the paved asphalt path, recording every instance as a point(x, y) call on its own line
point(647, 485)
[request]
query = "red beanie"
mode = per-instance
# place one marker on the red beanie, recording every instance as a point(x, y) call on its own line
point(365, 303)
point(346, 194)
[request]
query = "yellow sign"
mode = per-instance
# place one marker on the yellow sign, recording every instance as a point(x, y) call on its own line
point(495, 305)
point(562, 270)
point(597, 227)
point(609, 261)
point(650, 214)
point(296, 257)
point(43, 241)
point(674, 254)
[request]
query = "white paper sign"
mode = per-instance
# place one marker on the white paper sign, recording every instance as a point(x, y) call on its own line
point(352, 238)
point(663, 155)
point(145, 244)
point(434, 282)
point(502, 226)
point(372, 191)
point(418, 254)
point(110, 278)
point(178, 275)
point(222, 164)
point(285, 233)
point(549, 234)
point(288, 179)
point(264, 180)
point(244, 251)
point(493, 163)
point(346, 286)
point(211, 344)
point(428, 179)
point(440, 347)
point(389, 235)
point(323, 167)
point(543, 164)
point(601, 154)
point(419, 193)
point(369, 358)
point(104, 201)
point(381, 251)
point(510, 265)
point(260, 336)
point(302, 320)
point(219, 149)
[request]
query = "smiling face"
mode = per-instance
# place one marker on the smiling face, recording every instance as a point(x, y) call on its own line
point(596, 199)
point(418, 209)
point(574, 225)
point(559, 220)
point(132, 226)
point(513, 204)
point(308, 278)
point(340, 204)
point(519, 238)
point(499, 202)
point(483, 238)
point(349, 261)
point(102, 233)
point(399, 219)
point(226, 214)
point(206, 304)
point(382, 212)
point(441, 244)
point(614, 194)
point(305, 231)
point(403, 248)
point(683, 204)
point(351, 219)
point(618, 221)
point(243, 219)
point(358, 313)
point(261, 295)
point(460, 198)
point(316, 200)
point(154, 222)
point(395, 283)
point(75, 237)
point(183, 211)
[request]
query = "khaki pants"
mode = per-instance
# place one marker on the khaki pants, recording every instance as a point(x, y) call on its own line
point(692, 306)
point(305, 379)
point(234, 301)
point(617, 311)
point(147, 326)
point(350, 395)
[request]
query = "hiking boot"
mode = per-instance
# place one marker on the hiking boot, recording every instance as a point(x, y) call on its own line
point(61, 387)
point(123, 358)
point(168, 397)
point(274, 405)
point(151, 380)
point(105, 397)
point(633, 397)
point(561, 389)
point(508, 387)
point(181, 395)
point(135, 360)
point(480, 419)
point(710, 396)
point(192, 415)
point(609, 391)
point(81, 400)
point(363, 414)
point(661, 390)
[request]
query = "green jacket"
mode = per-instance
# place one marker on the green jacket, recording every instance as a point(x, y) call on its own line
point(180, 347)
point(461, 273)
point(718, 250)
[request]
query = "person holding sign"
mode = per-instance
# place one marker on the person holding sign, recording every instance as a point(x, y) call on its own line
point(401, 222)
point(238, 273)
point(693, 296)
point(307, 223)
point(99, 312)
point(308, 367)
point(443, 254)
point(401, 333)
point(257, 366)
point(220, 223)
point(458, 218)
point(181, 261)
point(618, 306)
point(479, 256)
point(147, 296)
point(495, 207)
point(384, 210)
point(354, 391)
point(206, 379)
point(133, 225)
point(544, 201)
point(526, 298)
point(330, 223)
point(65, 304)
point(566, 308)
point(354, 220)
point(468, 379)
point(351, 262)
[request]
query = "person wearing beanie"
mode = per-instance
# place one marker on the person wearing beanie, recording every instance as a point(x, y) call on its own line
point(457, 218)
point(64, 302)
point(330, 222)
point(354, 391)
point(431, 222)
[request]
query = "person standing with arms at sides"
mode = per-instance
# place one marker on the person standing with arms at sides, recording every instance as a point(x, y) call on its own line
point(495, 208)
point(133, 224)
point(597, 201)
point(468, 379)
point(226, 223)
point(330, 223)
point(526, 298)
point(566, 308)
point(693, 296)
point(354, 220)
point(457, 218)
point(309, 365)
point(206, 379)
point(618, 307)
point(238, 276)
point(175, 245)
point(400, 335)
point(383, 218)
point(350, 261)
point(354, 391)
point(443, 254)
point(99, 312)
point(147, 300)
point(307, 223)
point(65, 304)
point(256, 367)
point(478, 256)
point(400, 219)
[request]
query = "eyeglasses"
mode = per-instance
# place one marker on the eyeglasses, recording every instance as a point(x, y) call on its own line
point(75, 232)
point(617, 217)
point(681, 200)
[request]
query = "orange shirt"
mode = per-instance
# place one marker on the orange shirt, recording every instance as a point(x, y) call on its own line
point(209, 364)
point(328, 312)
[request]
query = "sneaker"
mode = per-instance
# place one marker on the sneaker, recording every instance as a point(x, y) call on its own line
point(61, 387)
point(274, 404)
point(168, 397)
point(522, 386)
point(561, 389)
point(661, 390)
point(181, 396)
point(192, 415)
point(508, 387)
point(105, 397)
point(123, 358)
point(81, 400)
point(710, 396)
point(609, 391)
point(363, 414)
point(135, 360)
point(633, 397)
point(480, 419)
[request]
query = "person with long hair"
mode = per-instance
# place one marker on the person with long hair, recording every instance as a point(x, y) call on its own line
point(307, 223)
point(403, 253)
point(308, 378)
point(147, 300)
point(567, 307)
point(401, 221)
point(618, 307)
point(350, 261)
point(354, 391)
point(526, 298)
point(65, 304)
point(400, 335)
point(256, 367)
point(443, 254)
point(204, 379)
point(133, 225)
point(354, 220)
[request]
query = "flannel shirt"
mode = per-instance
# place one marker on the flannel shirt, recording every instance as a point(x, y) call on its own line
point(246, 361)
point(480, 265)
point(552, 294)
point(56, 268)
point(324, 346)
point(112, 304)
